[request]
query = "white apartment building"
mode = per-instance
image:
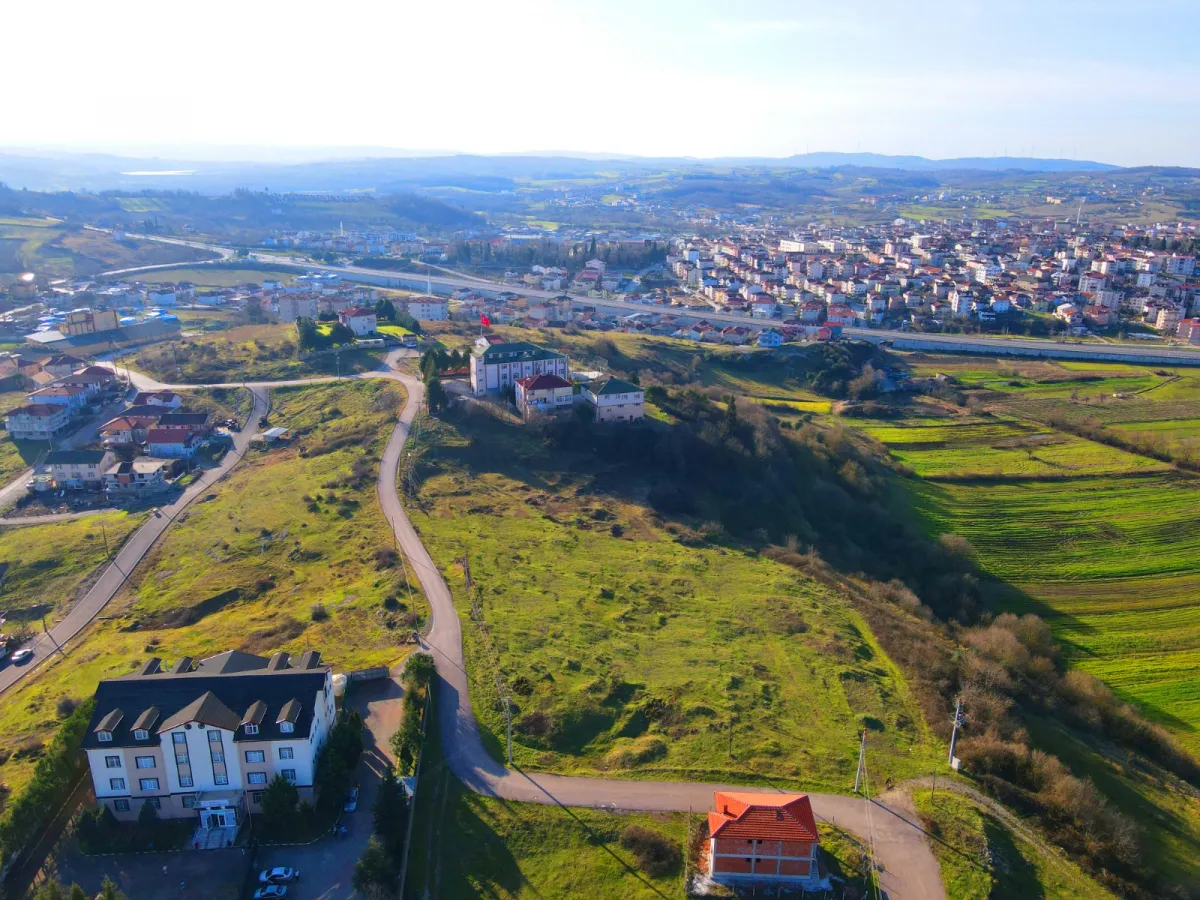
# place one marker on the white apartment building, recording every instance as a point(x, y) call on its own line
point(429, 309)
point(495, 367)
point(205, 738)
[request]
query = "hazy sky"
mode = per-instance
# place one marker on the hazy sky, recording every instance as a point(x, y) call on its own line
point(1112, 81)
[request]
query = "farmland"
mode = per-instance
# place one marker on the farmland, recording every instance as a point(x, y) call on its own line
point(218, 276)
point(643, 656)
point(307, 564)
point(51, 248)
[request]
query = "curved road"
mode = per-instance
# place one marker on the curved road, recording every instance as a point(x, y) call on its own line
point(907, 867)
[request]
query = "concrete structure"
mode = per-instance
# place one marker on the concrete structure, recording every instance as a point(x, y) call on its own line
point(495, 367)
point(358, 319)
point(764, 839)
point(140, 476)
point(204, 739)
point(79, 468)
point(89, 321)
point(615, 400)
point(429, 309)
point(543, 394)
point(37, 421)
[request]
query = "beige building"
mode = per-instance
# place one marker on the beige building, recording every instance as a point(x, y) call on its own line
point(615, 400)
point(205, 738)
point(89, 321)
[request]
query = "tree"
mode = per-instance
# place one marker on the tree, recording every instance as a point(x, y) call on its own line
point(375, 875)
point(385, 310)
point(77, 893)
point(50, 890)
point(340, 334)
point(110, 891)
point(279, 801)
point(390, 811)
point(435, 396)
point(147, 816)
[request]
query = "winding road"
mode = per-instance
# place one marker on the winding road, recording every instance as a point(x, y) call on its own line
point(907, 867)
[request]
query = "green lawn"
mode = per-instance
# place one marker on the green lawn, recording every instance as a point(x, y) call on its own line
point(217, 276)
point(47, 565)
point(247, 352)
point(306, 564)
point(981, 858)
point(631, 653)
point(393, 330)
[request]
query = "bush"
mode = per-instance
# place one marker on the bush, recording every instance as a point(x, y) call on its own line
point(656, 855)
point(66, 706)
point(318, 612)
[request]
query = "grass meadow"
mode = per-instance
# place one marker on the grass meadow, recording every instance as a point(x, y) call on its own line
point(290, 552)
point(626, 651)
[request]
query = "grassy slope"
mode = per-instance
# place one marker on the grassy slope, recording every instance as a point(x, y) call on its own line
point(980, 858)
point(281, 554)
point(219, 276)
point(54, 251)
point(47, 564)
point(266, 352)
point(591, 627)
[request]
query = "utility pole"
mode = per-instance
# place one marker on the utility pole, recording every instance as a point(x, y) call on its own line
point(862, 761)
point(104, 532)
point(508, 718)
point(731, 737)
point(954, 733)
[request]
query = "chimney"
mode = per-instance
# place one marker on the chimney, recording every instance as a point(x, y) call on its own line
point(278, 662)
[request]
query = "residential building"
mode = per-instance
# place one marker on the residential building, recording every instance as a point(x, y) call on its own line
point(89, 321)
point(78, 468)
point(126, 429)
point(297, 306)
point(139, 476)
point(171, 443)
point(543, 394)
point(769, 338)
point(358, 319)
point(72, 396)
point(494, 367)
point(165, 399)
point(37, 421)
point(615, 400)
point(204, 739)
point(765, 839)
point(429, 309)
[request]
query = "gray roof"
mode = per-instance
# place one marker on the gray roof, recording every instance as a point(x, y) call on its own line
point(75, 457)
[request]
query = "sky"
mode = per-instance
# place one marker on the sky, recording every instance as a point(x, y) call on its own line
point(1085, 79)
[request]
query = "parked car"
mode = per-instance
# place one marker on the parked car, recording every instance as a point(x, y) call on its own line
point(279, 875)
point(270, 891)
point(23, 655)
point(351, 800)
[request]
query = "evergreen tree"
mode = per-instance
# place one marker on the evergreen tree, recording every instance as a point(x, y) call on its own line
point(375, 875)
point(435, 395)
point(279, 801)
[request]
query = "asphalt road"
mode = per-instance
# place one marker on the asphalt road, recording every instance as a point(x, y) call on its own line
point(908, 867)
point(130, 554)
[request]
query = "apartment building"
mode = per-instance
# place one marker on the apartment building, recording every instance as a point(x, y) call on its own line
point(205, 738)
point(495, 367)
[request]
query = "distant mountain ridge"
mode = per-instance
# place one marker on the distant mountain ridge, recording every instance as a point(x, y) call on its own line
point(56, 170)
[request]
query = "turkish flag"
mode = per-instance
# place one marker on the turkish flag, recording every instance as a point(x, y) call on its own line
point(484, 320)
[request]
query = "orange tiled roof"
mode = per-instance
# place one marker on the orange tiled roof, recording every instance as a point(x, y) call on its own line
point(762, 817)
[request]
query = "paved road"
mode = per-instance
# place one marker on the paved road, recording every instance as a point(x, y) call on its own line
point(132, 553)
point(910, 870)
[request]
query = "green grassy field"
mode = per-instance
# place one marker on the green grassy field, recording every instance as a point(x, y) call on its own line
point(47, 565)
point(631, 653)
point(307, 564)
point(54, 249)
point(247, 352)
point(218, 276)
point(981, 858)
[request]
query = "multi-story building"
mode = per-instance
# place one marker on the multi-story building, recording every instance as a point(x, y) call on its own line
point(770, 839)
point(79, 468)
point(615, 400)
point(89, 321)
point(205, 738)
point(359, 319)
point(37, 421)
point(429, 309)
point(543, 394)
point(495, 367)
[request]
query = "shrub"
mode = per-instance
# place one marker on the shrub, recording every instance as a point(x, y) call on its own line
point(656, 855)
point(66, 706)
point(318, 612)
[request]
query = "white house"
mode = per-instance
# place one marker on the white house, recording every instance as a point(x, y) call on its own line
point(358, 319)
point(769, 338)
point(495, 367)
point(204, 739)
point(37, 421)
point(429, 309)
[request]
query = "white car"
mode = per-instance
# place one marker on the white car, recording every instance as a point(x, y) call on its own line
point(270, 891)
point(279, 875)
point(23, 655)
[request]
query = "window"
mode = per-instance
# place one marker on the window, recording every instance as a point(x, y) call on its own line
point(112, 762)
point(179, 737)
point(189, 802)
point(255, 756)
point(154, 802)
point(220, 779)
point(116, 784)
point(214, 737)
point(256, 777)
point(286, 727)
point(140, 734)
point(149, 784)
point(218, 756)
point(181, 758)
point(185, 780)
point(251, 729)
point(286, 753)
point(257, 796)
point(289, 775)
point(145, 762)
point(104, 737)
point(121, 805)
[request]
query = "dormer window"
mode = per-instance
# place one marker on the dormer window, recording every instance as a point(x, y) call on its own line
point(141, 734)
point(251, 729)
point(285, 727)
point(104, 737)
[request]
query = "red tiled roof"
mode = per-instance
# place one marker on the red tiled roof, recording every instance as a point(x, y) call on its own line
point(168, 436)
point(38, 409)
point(763, 817)
point(542, 382)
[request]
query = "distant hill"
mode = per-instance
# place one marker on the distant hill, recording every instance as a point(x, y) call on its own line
point(923, 164)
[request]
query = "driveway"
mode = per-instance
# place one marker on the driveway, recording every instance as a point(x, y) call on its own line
point(327, 867)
